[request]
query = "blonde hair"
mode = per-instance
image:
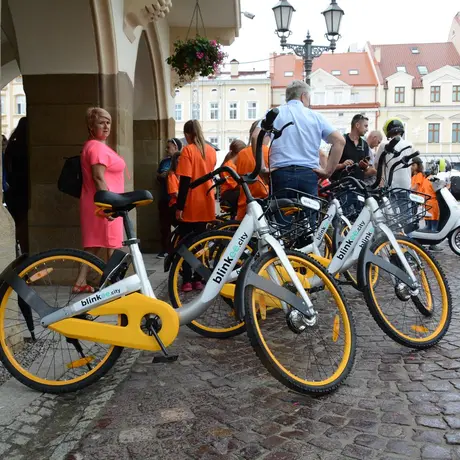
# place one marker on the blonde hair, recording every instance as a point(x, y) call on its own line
point(251, 130)
point(235, 148)
point(193, 129)
point(94, 113)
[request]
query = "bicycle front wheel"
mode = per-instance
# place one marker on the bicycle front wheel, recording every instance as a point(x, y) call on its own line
point(417, 320)
point(311, 359)
point(39, 357)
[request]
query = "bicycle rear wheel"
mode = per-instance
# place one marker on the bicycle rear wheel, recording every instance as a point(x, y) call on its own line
point(220, 320)
point(417, 321)
point(313, 359)
point(39, 357)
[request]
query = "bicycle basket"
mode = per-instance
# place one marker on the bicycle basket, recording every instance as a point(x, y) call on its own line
point(294, 216)
point(404, 209)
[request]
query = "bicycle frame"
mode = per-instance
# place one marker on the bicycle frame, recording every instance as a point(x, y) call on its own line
point(253, 222)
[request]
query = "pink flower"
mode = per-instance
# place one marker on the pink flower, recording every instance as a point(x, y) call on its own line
point(200, 55)
point(213, 43)
point(185, 66)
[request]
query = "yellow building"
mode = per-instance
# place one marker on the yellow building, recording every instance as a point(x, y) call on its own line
point(225, 105)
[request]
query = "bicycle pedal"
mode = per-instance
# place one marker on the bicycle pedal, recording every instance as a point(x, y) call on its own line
point(165, 359)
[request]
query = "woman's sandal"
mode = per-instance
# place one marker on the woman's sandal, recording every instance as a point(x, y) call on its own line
point(85, 289)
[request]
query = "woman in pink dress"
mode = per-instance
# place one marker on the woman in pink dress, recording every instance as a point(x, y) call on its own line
point(103, 169)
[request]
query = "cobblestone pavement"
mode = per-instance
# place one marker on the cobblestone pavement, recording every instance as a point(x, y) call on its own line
point(218, 402)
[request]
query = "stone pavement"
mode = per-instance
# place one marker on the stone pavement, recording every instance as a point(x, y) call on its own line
point(218, 402)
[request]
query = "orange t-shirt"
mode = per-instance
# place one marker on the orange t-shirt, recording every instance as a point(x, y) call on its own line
point(200, 206)
point(417, 181)
point(230, 183)
point(432, 202)
point(173, 188)
point(245, 164)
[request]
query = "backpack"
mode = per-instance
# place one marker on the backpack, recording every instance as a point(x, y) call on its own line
point(70, 180)
point(455, 186)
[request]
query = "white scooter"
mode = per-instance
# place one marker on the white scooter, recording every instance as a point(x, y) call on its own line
point(449, 219)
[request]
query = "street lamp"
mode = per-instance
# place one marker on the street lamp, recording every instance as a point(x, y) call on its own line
point(333, 16)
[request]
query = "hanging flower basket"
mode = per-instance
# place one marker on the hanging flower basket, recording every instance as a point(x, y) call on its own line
point(195, 56)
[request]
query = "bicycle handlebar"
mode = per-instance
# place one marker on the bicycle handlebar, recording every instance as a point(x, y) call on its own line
point(266, 127)
point(340, 182)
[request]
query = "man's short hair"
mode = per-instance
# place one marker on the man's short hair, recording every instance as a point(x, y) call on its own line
point(377, 133)
point(295, 90)
point(357, 118)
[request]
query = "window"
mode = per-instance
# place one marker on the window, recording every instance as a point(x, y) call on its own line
point(401, 68)
point(338, 97)
point(399, 94)
point(354, 98)
point(422, 69)
point(252, 90)
point(177, 91)
point(231, 139)
point(252, 110)
point(289, 74)
point(415, 50)
point(433, 133)
point(435, 94)
point(456, 94)
point(353, 72)
point(178, 112)
point(233, 90)
point(3, 102)
point(233, 110)
point(214, 90)
point(20, 105)
point(456, 133)
point(340, 114)
point(196, 111)
point(214, 141)
point(214, 111)
point(319, 98)
point(336, 72)
point(18, 79)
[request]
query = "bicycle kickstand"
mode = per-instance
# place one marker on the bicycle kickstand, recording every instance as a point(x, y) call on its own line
point(161, 359)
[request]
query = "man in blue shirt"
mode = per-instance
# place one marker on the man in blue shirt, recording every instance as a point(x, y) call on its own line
point(294, 157)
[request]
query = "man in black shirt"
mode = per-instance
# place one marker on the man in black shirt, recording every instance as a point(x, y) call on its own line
point(356, 150)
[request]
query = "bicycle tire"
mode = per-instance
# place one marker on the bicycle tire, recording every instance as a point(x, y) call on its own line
point(11, 364)
point(383, 321)
point(267, 356)
point(215, 332)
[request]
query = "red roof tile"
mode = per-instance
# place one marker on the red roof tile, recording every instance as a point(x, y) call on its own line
point(432, 55)
point(328, 62)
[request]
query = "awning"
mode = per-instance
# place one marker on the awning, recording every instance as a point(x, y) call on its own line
point(449, 157)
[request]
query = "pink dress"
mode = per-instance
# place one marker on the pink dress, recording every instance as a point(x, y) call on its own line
point(98, 232)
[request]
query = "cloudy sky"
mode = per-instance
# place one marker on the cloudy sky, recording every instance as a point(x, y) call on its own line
point(377, 21)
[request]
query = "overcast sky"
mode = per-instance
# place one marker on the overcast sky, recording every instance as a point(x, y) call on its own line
point(377, 21)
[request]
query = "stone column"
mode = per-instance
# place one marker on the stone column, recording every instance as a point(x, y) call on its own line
point(56, 110)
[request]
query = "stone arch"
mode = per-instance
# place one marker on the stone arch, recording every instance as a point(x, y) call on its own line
point(151, 128)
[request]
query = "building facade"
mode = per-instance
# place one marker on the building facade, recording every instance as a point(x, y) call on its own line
point(225, 105)
point(420, 84)
point(343, 84)
point(13, 105)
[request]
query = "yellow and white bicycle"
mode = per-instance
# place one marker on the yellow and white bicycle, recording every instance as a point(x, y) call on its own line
point(55, 341)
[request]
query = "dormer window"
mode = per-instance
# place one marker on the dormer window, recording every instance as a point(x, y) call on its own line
point(415, 50)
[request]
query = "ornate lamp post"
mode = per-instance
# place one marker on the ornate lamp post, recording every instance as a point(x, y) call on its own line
point(333, 16)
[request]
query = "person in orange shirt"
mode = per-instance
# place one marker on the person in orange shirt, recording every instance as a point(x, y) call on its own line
point(245, 164)
point(195, 207)
point(229, 190)
point(418, 177)
point(172, 183)
point(433, 207)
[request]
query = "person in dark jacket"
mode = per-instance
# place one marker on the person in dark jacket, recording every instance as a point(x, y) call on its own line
point(173, 146)
point(17, 173)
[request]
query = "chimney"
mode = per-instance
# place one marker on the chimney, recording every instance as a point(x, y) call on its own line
point(234, 68)
point(378, 53)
